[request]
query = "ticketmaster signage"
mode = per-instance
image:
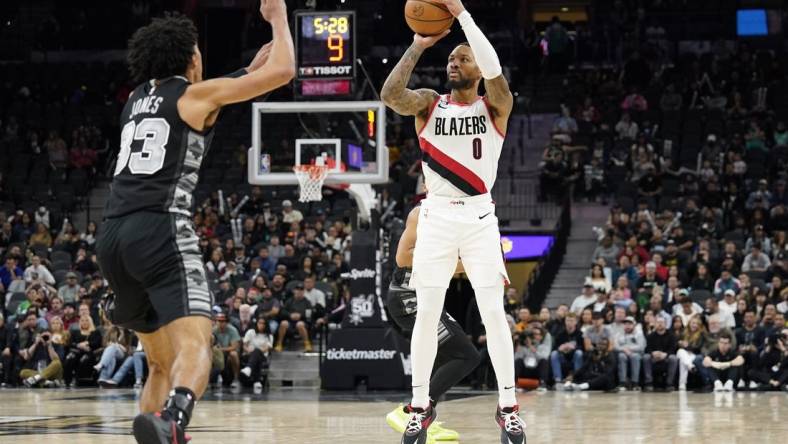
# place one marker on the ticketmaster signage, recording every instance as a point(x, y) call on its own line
point(359, 355)
point(376, 356)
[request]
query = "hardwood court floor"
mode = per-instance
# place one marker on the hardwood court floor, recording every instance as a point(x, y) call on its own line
point(91, 416)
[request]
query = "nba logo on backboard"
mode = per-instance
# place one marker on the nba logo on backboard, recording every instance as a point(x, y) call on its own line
point(265, 163)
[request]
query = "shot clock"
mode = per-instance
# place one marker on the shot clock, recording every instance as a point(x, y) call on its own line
point(326, 47)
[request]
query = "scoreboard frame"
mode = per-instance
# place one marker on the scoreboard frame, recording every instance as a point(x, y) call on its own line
point(328, 66)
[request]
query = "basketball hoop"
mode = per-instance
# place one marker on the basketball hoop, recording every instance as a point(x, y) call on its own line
point(310, 181)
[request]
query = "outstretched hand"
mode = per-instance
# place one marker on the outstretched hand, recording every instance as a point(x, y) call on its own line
point(273, 9)
point(454, 6)
point(427, 41)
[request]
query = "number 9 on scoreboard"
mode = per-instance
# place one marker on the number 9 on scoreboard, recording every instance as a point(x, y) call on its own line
point(325, 45)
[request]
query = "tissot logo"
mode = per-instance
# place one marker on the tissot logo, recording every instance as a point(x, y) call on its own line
point(360, 355)
point(325, 70)
point(359, 274)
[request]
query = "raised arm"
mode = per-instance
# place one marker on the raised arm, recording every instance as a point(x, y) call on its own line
point(395, 93)
point(498, 96)
point(202, 100)
point(259, 60)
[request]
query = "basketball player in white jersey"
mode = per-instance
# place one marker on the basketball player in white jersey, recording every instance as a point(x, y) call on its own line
point(461, 136)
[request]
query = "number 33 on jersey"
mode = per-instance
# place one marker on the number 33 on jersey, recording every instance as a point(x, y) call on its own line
point(160, 155)
point(460, 146)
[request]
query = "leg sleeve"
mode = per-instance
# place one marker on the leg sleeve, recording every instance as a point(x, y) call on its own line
point(499, 340)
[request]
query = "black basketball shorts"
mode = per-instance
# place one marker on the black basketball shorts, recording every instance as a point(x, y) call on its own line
point(152, 262)
point(401, 306)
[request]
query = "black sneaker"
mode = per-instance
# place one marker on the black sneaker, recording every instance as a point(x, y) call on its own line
point(512, 426)
point(419, 421)
point(158, 428)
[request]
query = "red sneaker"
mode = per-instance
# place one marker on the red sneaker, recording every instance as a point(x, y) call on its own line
point(512, 426)
point(419, 421)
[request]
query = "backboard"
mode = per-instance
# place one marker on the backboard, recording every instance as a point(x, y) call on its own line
point(349, 137)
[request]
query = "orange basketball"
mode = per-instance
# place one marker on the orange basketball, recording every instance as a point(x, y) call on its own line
point(528, 383)
point(427, 18)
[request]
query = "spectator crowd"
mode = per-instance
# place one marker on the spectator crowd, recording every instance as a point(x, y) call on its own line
point(276, 276)
point(687, 286)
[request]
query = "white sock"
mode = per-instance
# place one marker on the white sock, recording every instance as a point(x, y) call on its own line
point(424, 342)
point(499, 341)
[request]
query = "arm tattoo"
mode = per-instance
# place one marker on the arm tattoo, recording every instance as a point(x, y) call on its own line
point(499, 96)
point(395, 93)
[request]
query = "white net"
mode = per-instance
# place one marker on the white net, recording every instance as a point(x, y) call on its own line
point(310, 181)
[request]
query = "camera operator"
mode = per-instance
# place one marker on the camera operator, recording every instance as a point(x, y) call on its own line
point(532, 354)
point(598, 371)
point(44, 362)
point(772, 369)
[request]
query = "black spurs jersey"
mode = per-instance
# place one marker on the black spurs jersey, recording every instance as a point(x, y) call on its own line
point(160, 155)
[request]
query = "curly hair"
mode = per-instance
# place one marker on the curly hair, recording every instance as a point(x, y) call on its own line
point(162, 49)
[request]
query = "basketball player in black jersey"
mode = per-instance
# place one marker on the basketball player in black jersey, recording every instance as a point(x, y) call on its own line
point(147, 247)
point(456, 358)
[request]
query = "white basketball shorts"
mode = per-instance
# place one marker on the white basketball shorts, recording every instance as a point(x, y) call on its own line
point(452, 228)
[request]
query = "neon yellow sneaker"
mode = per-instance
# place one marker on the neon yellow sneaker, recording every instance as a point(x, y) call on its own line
point(397, 419)
point(439, 433)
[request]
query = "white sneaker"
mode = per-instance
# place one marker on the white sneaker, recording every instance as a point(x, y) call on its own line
point(235, 385)
point(568, 386)
point(753, 385)
point(247, 371)
point(728, 385)
point(258, 387)
point(741, 384)
point(682, 387)
point(31, 381)
point(718, 387)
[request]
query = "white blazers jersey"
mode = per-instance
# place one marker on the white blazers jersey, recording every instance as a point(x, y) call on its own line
point(460, 148)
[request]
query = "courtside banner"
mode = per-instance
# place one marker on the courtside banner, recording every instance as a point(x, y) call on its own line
point(376, 356)
point(364, 310)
